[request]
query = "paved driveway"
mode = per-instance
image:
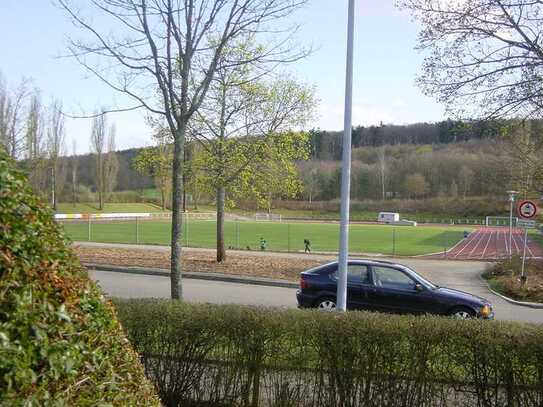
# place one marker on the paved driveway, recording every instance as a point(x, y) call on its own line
point(454, 274)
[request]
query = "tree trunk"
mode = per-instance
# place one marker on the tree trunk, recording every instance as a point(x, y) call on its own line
point(74, 185)
point(54, 188)
point(177, 215)
point(221, 252)
point(163, 198)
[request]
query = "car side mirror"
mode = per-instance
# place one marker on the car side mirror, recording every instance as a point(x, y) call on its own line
point(419, 287)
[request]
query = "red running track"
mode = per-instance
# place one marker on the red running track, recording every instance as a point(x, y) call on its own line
point(489, 243)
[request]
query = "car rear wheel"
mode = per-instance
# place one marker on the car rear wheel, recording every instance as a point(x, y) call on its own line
point(462, 313)
point(326, 304)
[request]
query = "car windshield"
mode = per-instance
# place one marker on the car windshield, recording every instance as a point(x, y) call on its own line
point(421, 279)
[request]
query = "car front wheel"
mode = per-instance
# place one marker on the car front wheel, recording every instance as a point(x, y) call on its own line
point(326, 304)
point(462, 313)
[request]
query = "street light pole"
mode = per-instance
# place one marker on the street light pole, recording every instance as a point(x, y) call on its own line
point(512, 195)
point(346, 168)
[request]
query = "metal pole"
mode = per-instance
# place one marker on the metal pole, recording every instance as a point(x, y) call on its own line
point(237, 235)
point(522, 276)
point(346, 169)
point(511, 201)
point(511, 225)
point(288, 237)
point(187, 228)
point(137, 230)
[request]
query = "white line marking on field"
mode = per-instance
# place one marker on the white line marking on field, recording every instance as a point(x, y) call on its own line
point(506, 244)
point(481, 238)
point(487, 243)
point(468, 241)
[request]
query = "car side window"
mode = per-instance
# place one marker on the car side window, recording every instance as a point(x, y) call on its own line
point(356, 274)
point(388, 277)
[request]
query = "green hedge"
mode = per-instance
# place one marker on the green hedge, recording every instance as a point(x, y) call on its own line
point(236, 355)
point(60, 341)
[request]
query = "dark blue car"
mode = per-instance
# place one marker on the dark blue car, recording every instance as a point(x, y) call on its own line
point(387, 287)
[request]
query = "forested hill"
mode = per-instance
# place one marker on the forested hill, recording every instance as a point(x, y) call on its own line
point(408, 144)
point(327, 145)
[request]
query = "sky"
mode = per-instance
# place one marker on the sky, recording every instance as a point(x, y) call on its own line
point(33, 40)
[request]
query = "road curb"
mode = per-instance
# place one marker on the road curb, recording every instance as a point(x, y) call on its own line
point(534, 305)
point(199, 276)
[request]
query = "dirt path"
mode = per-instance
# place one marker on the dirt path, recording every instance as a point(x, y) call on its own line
point(197, 260)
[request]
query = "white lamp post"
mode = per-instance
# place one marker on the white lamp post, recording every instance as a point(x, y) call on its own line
point(346, 169)
point(512, 195)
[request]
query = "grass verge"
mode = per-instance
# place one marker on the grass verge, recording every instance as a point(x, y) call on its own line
point(504, 278)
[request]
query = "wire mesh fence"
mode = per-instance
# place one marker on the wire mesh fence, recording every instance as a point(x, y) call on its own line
point(285, 236)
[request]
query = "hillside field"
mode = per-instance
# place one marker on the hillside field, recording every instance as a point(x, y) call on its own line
point(108, 208)
point(280, 236)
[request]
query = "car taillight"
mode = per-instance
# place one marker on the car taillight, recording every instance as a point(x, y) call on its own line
point(303, 284)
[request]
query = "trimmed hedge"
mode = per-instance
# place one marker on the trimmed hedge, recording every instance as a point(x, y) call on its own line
point(60, 341)
point(236, 355)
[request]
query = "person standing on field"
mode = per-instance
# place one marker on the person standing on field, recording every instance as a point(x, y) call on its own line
point(307, 245)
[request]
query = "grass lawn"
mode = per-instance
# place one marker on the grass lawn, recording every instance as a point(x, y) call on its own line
point(280, 236)
point(108, 208)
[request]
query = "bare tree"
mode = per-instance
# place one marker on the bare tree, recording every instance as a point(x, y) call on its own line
point(172, 48)
point(55, 149)
point(74, 172)
point(381, 157)
point(98, 140)
point(466, 178)
point(12, 105)
point(485, 57)
point(111, 163)
point(35, 144)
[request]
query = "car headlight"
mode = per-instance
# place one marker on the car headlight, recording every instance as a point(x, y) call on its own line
point(486, 310)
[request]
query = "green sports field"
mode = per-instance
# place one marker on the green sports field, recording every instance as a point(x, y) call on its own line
point(280, 236)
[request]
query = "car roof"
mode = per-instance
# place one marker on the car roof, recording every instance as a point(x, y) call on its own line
point(369, 261)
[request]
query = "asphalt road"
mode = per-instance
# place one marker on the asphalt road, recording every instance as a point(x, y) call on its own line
point(463, 276)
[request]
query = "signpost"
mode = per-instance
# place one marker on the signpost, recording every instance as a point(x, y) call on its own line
point(527, 210)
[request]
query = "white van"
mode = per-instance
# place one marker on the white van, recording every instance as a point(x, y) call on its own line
point(388, 217)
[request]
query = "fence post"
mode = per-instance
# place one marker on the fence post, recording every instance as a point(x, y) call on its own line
point(137, 230)
point(89, 231)
point(288, 237)
point(187, 227)
point(237, 236)
point(393, 242)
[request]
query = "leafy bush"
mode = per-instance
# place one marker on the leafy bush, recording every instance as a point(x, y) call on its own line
point(236, 355)
point(60, 341)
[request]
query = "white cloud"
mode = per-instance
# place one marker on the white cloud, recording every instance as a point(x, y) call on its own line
point(331, 116)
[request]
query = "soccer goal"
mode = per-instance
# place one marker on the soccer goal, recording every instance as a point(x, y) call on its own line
point(274, 217)
point(500, 221)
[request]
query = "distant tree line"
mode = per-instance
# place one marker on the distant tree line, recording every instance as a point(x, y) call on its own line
point(410, 171)
point(327, 145)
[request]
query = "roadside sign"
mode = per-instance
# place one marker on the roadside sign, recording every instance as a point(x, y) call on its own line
point(527, 209)
point(526, 224)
